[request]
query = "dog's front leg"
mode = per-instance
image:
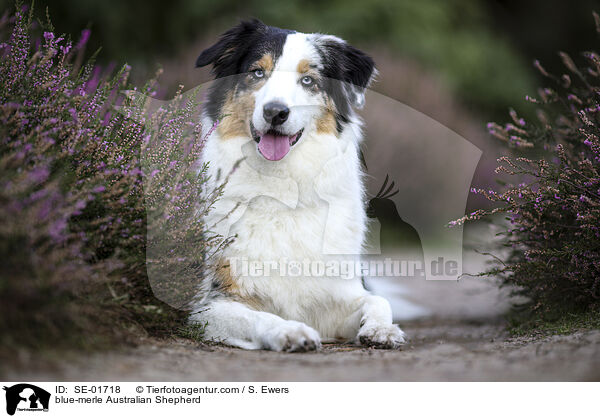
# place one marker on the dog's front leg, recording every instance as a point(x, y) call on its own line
point(236, 324)
point(376, 327)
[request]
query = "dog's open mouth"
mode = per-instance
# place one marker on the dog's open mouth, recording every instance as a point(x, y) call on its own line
point(274, 145)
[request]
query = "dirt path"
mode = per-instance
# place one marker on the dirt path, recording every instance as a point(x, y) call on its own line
point(461, 338)
point(447, 351)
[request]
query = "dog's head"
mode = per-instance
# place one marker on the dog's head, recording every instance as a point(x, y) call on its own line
point(276, 86)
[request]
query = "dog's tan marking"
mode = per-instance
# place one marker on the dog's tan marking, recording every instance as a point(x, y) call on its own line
point(266, 63)
point(303, 66)
point(326, 123)
point(224, 280)
point(229, 286)
point(238, 107)
point(235, 114)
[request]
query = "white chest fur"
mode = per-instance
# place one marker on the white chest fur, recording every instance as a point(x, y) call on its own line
point(307, 207)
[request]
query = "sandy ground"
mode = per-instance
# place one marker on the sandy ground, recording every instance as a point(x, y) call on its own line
point(455, 329)
point(453, 351)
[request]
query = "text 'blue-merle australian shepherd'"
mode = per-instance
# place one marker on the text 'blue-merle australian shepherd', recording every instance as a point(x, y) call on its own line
point(284, 102)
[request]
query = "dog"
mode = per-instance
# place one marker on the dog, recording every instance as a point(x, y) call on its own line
point(285, 151)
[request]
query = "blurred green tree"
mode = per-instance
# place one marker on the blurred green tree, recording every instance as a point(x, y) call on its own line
point(460, 40)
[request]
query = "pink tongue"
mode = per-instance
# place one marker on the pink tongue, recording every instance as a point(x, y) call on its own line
point(274, 148)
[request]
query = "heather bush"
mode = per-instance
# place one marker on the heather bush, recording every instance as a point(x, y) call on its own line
point(73, 220)
point(552, 207)
point(178, 244)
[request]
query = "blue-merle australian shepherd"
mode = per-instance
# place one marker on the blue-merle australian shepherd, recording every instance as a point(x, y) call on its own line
point(284, 103)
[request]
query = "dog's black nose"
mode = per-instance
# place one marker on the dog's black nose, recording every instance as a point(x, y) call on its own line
point(275, 113)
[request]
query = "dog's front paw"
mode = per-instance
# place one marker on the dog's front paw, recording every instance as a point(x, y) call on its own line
point(381, 336)
point(292, 336)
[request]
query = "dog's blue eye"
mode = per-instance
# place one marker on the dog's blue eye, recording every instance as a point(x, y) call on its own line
point(259, 73)
point(307, 80)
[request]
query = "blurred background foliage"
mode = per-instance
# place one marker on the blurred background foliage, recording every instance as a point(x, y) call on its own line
point(480, 51)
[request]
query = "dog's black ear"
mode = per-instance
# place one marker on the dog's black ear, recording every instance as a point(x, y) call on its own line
point(226, 54)
point(350, 65)
point(359, 67)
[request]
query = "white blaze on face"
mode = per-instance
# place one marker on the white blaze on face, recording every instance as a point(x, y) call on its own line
point(284, 86)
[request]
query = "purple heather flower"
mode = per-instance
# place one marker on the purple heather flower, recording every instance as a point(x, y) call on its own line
point(65, 49)
point(85, 36)
point(39, 174)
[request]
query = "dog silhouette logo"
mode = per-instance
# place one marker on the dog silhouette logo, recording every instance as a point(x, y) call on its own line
point(26, 397)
